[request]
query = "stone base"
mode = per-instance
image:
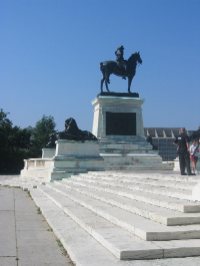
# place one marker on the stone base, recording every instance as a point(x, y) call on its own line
point(71, 157)
point(118, 124)
point(114, 115)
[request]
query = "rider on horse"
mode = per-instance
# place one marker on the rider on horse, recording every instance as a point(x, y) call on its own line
point(120, 59)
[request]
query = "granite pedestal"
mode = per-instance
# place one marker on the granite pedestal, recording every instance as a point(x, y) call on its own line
point(118, 124)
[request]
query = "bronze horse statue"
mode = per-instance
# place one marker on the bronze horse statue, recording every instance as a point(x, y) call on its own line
point(112, 67)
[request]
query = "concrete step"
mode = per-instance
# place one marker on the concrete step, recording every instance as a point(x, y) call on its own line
point(125, 146)
point(158, 214)
point(118, 241)
point(183, 193)
point(138, 225)
point(135, 186)
point(41, 173)
point(59, 174)
point(154, 180)
point(148, 197)
point(82, 248)
point(166, 175)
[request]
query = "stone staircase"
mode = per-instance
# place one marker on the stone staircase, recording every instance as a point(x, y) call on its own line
point(133, 153)
point(106, 218)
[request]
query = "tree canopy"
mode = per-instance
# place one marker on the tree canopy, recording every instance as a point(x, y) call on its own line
point(17, 144)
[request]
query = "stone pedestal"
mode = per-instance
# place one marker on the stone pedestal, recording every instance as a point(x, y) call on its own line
point(117, 117)
point(73, 157)
point(118, 124)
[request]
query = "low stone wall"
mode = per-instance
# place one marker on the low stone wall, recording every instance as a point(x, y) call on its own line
point(37, 163)
point(48, 152)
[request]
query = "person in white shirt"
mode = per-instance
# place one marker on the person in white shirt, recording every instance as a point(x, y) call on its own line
point(194, 154)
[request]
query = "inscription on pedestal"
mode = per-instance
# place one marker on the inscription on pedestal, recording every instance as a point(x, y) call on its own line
point(120, 123)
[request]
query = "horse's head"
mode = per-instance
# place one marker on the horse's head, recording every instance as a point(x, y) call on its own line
point(135, 57)
point(139, 59)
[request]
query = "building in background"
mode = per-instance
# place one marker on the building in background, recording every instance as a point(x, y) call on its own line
point(162, 139)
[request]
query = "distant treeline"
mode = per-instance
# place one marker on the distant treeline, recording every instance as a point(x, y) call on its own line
point(17, 144)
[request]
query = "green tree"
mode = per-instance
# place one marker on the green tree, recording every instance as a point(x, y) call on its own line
point(17, 144)
point(14, 145)
point(40, 135)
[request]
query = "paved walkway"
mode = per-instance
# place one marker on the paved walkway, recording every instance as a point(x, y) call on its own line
point(25, 237)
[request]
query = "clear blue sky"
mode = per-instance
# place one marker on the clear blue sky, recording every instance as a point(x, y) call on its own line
point(50, 52)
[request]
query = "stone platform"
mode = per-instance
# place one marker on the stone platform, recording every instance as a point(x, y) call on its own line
point(121, 145)
point(107, 218)
point(70, 157)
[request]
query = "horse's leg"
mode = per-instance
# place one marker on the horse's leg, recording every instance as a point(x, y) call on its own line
point(107, 81)
point(102, 81)
point(129, 84)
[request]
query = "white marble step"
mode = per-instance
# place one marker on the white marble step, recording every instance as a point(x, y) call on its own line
point(82, 248)
point(152, 198)
point(149, 211)
point(128, 179)
point(117, 240)
point(161, 190)
point(165, 175)
point(140, 226)
point(85, 251)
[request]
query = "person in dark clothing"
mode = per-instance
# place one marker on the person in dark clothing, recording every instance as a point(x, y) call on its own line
point(120, 59)
point(182, 142)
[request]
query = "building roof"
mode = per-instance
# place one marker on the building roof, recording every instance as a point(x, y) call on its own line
point(161, 132)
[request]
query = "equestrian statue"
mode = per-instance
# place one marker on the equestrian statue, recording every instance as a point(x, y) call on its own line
point(120, 67)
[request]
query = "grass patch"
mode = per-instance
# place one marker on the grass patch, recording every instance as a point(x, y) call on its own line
point(64, 252)
point(39, 210)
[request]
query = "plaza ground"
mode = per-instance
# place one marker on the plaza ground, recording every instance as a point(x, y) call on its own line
point(25, 237)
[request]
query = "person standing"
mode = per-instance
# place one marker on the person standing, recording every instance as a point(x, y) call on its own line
point(182, 142)
point(194, 152)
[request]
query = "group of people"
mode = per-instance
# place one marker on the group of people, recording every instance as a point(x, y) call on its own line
point(188, 153)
